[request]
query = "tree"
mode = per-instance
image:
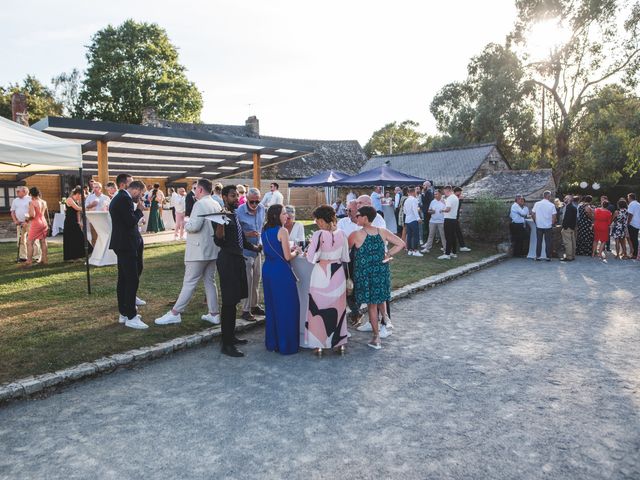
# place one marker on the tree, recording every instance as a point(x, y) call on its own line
point(491, 105)
point(607, 146)
point(132, 67)
point(395, 138)
point(589, 44)
point(40, 100)
point(67, 91)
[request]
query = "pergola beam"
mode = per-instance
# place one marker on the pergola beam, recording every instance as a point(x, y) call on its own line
point(103, 162)
point(256, 170)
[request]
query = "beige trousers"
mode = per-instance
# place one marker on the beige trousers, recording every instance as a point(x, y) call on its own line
point(193, 272)
point(569, 242)
point(22, 232)
point(254, 274)
point(433, 227)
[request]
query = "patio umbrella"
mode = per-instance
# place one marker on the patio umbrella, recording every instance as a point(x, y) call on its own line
point(325, 179)
point(383, 176)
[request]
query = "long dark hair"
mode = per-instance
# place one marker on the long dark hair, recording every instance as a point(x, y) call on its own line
point(273, 216)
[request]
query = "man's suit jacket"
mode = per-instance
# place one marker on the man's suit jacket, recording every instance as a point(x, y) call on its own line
point(427, 197)
point(189, 202)
point(125, 235)
point(570, 216)
point(200, 244)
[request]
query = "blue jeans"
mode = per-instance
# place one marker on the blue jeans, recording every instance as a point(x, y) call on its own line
point(413, 235)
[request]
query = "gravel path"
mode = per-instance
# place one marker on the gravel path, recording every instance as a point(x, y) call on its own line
point(525, 371)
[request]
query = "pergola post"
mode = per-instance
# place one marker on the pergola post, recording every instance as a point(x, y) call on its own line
point(256, 170)
point(103, 163)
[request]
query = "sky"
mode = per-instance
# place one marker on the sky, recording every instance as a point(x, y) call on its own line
point(332, 70)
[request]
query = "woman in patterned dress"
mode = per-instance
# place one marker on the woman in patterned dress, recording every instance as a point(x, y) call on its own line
point(619, 230)
point(326, 325)
point(371, 273)
point(584, 238)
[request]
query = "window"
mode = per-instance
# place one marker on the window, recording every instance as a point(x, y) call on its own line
point(7, 194)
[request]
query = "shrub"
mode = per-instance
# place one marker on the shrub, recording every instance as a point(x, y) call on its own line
point(488, 217)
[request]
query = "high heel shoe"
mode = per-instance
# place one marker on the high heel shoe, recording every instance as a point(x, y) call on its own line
point(318, 352)
point(375, 343)
point(342, 349)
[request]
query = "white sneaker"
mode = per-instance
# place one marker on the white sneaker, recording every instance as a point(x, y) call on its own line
point(365, 327)
point(140, 302)
point(465, 249)
point(417, 254)
point(136, 322)
point(387, 322)
point(384, 333)
point(424, 250)
point(410, 253)
point(122, 319)
point(168, 319)
point(444, 257)
point(424, 245)
point(453, 255)
point(215, 319)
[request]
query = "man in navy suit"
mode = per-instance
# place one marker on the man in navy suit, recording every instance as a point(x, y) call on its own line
point(125, 210)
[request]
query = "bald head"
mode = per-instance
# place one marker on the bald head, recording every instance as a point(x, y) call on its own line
point(352, 209)
point(364, 201)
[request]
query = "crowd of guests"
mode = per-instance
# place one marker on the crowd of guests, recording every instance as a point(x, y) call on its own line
point(587, 228)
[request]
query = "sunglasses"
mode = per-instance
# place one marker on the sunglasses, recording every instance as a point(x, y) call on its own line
point(359, 215)
point(254, 202)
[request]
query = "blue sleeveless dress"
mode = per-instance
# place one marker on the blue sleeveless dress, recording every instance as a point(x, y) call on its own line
point(281, 302)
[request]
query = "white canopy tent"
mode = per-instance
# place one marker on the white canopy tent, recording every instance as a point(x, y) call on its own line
point(25, 150)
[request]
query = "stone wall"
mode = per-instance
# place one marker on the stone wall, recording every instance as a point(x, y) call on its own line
point(493, 163)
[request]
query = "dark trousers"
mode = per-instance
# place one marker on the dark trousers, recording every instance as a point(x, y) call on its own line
point(173, 213)
point(546, 233)
point(228, 323)
point(633, 236)
point(425, 226)
point(450, 235)
point(129, 271)
point(459, 234)
point(413, 235)
point(518, 238)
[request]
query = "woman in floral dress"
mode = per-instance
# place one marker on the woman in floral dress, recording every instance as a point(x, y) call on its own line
point(619, 230)
point(326, 325)
point(371, 273)
point(584, 238)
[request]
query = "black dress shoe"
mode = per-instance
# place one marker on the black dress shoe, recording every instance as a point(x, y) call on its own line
point(248, 317)
point(240, 341)
point(232, 351)
point(258, 311)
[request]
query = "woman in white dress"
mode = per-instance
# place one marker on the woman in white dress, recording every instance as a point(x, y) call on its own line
point(295, 229)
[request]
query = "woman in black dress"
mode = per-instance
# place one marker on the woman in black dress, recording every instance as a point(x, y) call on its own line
point(73, 238)
point(584, 238)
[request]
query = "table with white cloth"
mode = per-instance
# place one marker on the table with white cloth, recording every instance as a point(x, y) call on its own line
point(533, 241)
point(58, 224)
point(303, 268)
point(167, 219)
point(390, 218)
point(102, 255)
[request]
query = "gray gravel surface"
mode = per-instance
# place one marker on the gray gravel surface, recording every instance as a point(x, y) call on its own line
point(525, 371)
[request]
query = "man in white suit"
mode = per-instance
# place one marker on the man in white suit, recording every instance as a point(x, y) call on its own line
point(199, 258)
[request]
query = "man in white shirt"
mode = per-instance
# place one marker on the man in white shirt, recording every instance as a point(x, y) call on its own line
point(450, 212)
point(365, 201)
point(200, 258)
point(633, 223)
point(351, 196)
point(412, 221)
point(436, 221)
point(544, 214)
point(349, 223)
point(19, 211)
point(518, 214)
point(273, 197)
point(96, 201)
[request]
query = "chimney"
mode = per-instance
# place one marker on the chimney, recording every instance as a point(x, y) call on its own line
point(149, 117)
point(19, 111)
point(252, 125)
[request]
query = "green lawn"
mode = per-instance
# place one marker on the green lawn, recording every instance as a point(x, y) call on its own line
point(48, 321)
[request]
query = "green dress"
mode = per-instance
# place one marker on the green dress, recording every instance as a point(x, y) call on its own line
point(155, 220)
point(371, 277)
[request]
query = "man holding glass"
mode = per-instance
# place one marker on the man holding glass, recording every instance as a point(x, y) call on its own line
point(251, 215)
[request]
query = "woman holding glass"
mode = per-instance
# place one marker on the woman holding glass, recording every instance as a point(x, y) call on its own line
point(282, 306)
point(371, 274)
point(295, 229)
point(326, 325)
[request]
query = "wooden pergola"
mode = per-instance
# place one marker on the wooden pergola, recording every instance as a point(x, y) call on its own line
point(110, 148)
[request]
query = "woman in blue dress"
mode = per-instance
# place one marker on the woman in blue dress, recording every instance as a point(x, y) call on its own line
point(281, 302)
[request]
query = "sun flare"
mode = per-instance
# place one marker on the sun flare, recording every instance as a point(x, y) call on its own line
point(546, 36)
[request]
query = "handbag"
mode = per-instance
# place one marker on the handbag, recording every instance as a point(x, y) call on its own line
point(349, 281)
point(285, 261)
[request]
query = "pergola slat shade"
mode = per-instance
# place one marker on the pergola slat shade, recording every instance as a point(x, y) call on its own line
point(168, 152)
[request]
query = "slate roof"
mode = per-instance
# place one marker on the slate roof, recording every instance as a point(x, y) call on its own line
point(451, 166)
point(234, 130)
point(509, 183)
point(344, 155)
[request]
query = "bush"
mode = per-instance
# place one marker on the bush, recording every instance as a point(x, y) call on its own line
point(488, 218)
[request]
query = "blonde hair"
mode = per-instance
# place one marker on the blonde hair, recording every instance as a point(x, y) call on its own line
point(240, 189)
